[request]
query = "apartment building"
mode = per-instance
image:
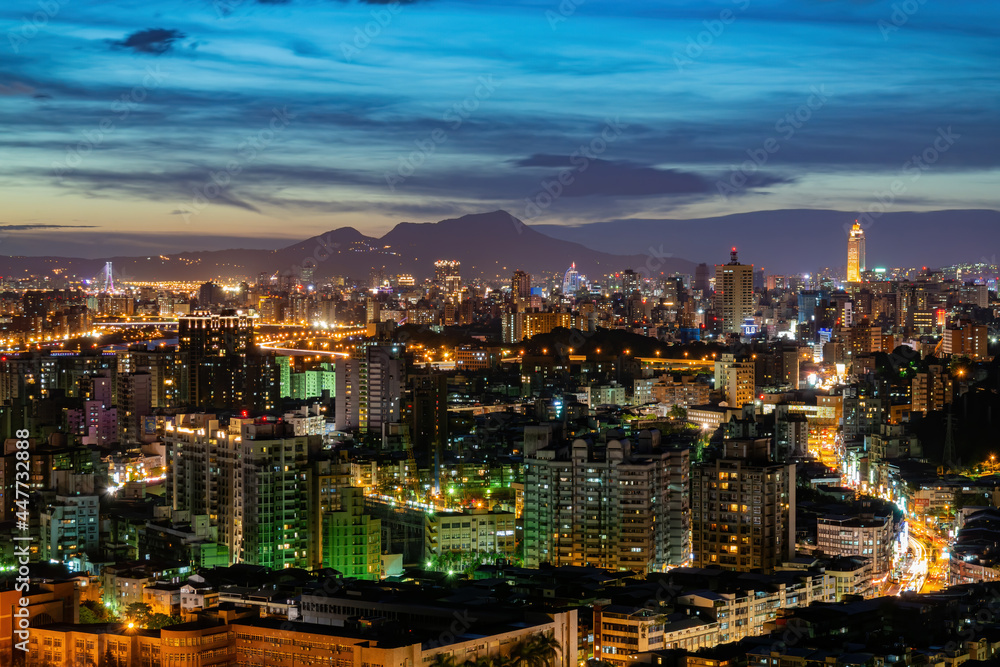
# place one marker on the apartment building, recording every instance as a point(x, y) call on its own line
point(614, 504)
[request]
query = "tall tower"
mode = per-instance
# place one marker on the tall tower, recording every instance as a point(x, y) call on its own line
point(733, 293)
point(520, 286)
point(217, 346)
point(855, 254)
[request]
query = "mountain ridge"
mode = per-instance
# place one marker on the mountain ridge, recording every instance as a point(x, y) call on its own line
point(489, 245)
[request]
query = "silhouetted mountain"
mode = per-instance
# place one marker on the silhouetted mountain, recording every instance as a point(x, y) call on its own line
point(489, 245)
point(803, 240)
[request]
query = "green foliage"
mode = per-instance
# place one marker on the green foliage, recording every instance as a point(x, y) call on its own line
point(539, 650)
point(466, 561)
point(95, 612)
point(157, 621)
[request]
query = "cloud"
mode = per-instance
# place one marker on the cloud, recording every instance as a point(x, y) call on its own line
point(155, 41)
point(28, 227)
point(16, 88)
point(628, 179)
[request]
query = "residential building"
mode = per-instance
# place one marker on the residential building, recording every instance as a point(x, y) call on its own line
point(615, 504)
point(740, 514)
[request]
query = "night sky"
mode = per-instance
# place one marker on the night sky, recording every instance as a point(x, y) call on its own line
point(177, 125)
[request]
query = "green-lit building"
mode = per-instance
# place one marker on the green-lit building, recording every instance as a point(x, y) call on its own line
point(352, 539)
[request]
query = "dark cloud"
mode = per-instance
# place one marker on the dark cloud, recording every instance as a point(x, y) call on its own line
point(29, 227)
point(155, 41)
point(607, 178)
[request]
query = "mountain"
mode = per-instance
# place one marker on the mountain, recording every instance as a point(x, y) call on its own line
point(489, 245)
point(803, 240)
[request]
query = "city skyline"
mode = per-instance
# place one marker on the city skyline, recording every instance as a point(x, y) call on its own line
point(693, 110)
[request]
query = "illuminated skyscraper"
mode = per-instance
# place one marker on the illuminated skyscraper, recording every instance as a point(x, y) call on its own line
point(520, 286)
point(855, 254)
point(572, 280)
point(448, 274)
point(733, 293)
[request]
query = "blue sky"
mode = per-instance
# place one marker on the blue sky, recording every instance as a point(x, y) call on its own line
point(171, 124)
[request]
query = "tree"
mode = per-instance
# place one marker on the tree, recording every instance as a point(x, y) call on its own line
point(546, 647)
point(443, 660)
point(94, 612)
point(138, 613)
point(678, 412)
point(536, 651)
point(157, 621)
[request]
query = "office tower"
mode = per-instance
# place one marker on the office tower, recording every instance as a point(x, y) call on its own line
point(520, 286)
point(733, 293)
point(572, 280)
point(855, 254)
point(619, 505)
point(810, 304)
point(369, 387)
point(742, 511)
point(217, 346)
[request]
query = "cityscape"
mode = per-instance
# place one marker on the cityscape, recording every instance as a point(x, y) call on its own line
point(377, 386)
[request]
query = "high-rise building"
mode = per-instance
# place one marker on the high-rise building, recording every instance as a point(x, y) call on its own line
point(742, 510)
point(448, 274)
point(210, 295)
point(618, 505)
point(427, 416)
point(733, 293)
point(701, 279)
point(135, 401)
point(351, 539)
point(965, 339)
point(855, 253)
point(217, 346)
point(251, 476)
point(735, 378)
point(369, 387)
point(572, 280)
point(631, 282)
point(931, 390)
point(520, 286)
point(69, 528)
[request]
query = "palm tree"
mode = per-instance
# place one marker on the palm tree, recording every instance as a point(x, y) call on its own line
point(501, 660)
point(547, 647)
point(443, 660)
point(521, 655)
point(482, 661)
point(536, 651)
